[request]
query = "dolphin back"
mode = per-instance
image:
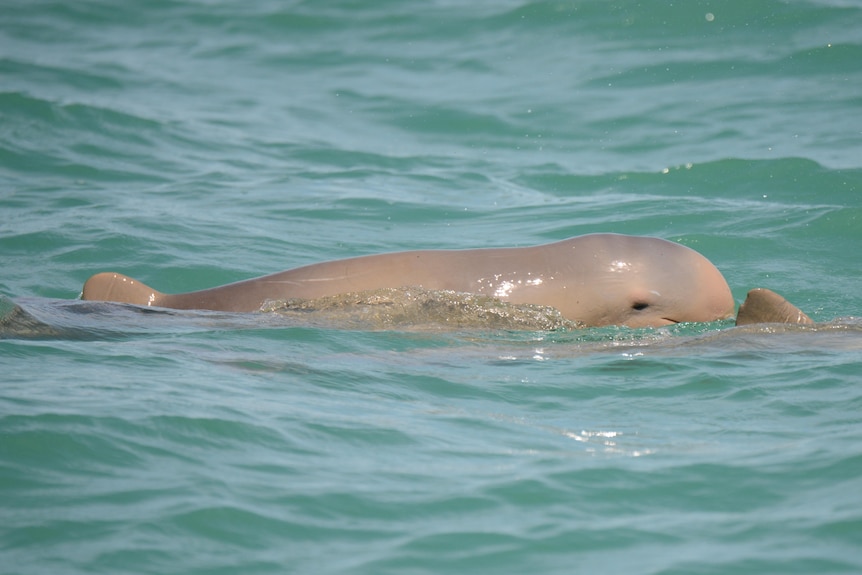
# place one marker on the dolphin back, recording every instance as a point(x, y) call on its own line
point(115, 287)
point(765, 306)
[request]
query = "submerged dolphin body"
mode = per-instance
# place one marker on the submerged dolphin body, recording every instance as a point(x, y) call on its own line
point(595, 280)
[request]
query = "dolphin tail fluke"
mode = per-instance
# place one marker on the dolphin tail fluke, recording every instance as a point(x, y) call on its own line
point(765, 306)
point(110, 286)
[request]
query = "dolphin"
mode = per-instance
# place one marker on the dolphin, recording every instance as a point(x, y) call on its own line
point(594, 280)
point(763, 305)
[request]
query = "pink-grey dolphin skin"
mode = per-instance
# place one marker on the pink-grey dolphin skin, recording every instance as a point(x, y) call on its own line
point(598, 279)
point(765, 306)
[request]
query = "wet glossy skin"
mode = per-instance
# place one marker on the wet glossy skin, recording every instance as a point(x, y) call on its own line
point(599, 279)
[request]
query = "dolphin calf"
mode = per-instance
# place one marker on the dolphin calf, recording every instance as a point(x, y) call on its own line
point(595, 280)
point(762, 305)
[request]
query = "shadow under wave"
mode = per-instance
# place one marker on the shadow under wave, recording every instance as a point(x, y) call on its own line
point(47, 319)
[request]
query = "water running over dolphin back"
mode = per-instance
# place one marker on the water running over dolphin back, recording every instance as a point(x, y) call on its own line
point(598, 279)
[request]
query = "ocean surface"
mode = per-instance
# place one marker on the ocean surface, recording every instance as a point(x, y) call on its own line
point(192, 143)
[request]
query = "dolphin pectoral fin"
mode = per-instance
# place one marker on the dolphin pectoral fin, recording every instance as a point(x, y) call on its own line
point(111, 286)
point(765, 306)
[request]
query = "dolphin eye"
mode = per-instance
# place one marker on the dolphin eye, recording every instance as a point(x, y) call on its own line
point(640, 305)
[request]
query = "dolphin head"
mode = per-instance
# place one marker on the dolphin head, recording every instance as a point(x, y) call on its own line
point(649, 282)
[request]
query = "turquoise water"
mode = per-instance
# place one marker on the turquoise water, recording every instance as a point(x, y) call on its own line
point(191, 144)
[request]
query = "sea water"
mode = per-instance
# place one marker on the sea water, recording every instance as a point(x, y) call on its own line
point(192, 143)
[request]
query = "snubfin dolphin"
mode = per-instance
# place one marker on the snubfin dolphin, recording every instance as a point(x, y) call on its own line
point(765, 306)
point(597, 279)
